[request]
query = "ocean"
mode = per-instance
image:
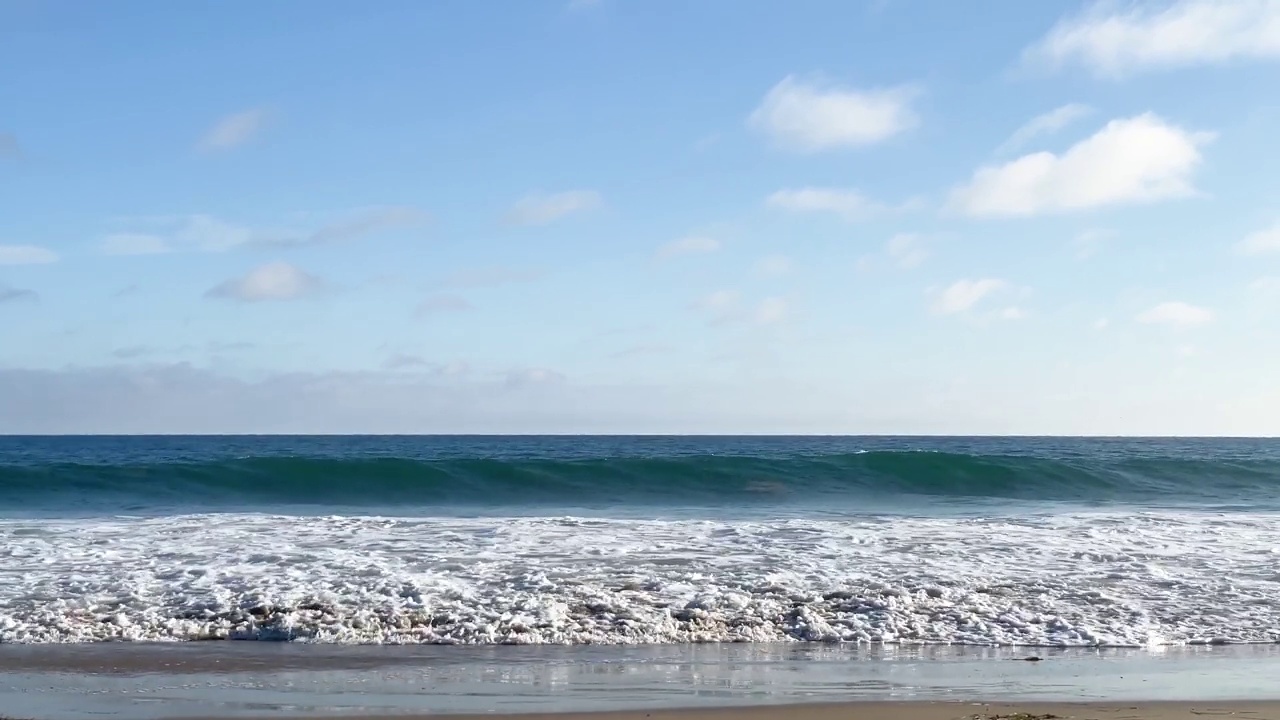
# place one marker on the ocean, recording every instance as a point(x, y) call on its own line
point(876, 541)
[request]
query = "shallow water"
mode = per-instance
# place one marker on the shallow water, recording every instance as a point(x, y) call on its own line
point(256, 679)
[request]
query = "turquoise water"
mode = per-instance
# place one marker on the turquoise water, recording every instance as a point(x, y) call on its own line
point(165, 474)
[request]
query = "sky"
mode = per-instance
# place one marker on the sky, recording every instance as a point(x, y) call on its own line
point(640, 216)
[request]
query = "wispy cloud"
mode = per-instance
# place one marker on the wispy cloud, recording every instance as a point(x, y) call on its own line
point(1262, 242)
point(773, 265)
point(12, 294)
point(962, 295)
point(233, 130)
point(726, 306)
point(721, 305)
point(529, 377)
point(493, 276)
point(688, 245)
point(1089, 242)
point(133, 244)
point(1141, 159)
point(1116, 40)
point(206, 233)
point(771, 311)
point(850, 204)
point(273, 281)
point(417, 363)
point(542, 209)
point(1176, 314)
point(132, 352)
point(810, 116)
point(906, 250)
point(1046, 124)
point(369, 222)
point(26, 255)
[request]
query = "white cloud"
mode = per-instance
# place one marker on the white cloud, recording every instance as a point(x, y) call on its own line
point(26, 255)
point(1013, 312)
point(771, 311)
point(273, 281)
point(134, 244)
point(443, 303)
point(848, 203)
point(690, 245)
point(1115, 40)
point(1263, 242)
point(773, 265)
point(905, 250)
point(1046, 124)
point(962, 295)
point(811, 117)
point(1101, 324)
point(233, 130)
point(541, 209)
point(1175, 314)
point(1141, 159)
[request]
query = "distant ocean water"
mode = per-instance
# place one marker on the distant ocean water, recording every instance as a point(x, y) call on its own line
point(572, 540)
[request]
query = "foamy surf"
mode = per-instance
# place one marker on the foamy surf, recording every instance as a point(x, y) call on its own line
point(1064, 579)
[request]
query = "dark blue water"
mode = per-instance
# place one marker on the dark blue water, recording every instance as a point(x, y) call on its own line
point(141, 474)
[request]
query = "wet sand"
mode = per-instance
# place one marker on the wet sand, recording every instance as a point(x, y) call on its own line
point(246, 681)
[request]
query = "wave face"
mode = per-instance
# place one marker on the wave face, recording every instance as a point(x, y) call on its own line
point(642, 474)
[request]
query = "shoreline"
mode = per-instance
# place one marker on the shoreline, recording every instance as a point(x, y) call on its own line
point(252, 681)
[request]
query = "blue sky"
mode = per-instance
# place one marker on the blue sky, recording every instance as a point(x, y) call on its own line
point(621, 216)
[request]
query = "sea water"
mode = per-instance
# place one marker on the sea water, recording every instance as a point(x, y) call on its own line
point(1030, 542)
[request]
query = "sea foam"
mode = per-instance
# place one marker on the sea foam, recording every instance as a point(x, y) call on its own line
point(1065, 579)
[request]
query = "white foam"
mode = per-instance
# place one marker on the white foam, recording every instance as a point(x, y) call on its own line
point(1074, 579)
